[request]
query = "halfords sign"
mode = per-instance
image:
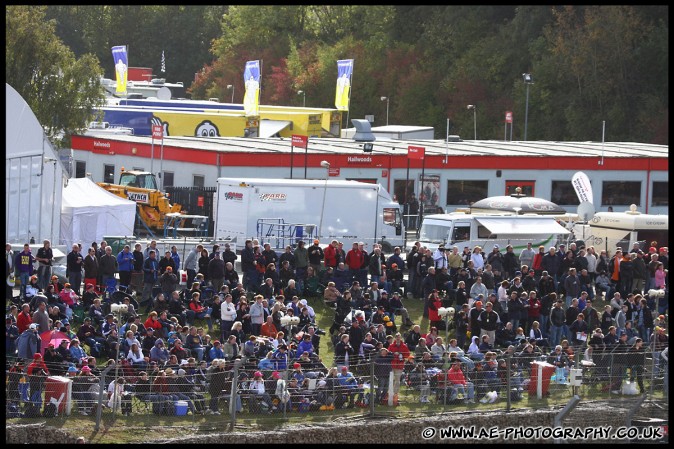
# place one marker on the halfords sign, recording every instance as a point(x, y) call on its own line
point(99, 144)
point(138, 197)
point(357, 159)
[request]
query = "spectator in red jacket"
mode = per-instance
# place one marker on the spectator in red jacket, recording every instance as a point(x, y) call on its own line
point(24, 319)
point(400, 353)
point(330, 255)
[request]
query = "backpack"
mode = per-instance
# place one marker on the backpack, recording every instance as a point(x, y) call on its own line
point(50, 411)
point(515, 395)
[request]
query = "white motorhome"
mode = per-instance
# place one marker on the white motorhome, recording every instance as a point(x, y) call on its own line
point(609, 230)
point(487, 230)
point(283, 211)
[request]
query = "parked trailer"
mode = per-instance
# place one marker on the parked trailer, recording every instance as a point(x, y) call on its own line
point(283, 211)
point(609, 230)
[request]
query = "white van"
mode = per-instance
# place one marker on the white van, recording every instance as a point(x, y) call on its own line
point(486, 230)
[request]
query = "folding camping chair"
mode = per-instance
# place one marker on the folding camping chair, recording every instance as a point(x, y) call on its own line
point(110, 287)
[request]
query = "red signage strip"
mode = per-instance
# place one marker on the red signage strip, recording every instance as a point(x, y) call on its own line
point(299, 141)
point(416, 152)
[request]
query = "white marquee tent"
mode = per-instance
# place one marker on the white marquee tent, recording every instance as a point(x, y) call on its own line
point(34, 176)
point(89, 212)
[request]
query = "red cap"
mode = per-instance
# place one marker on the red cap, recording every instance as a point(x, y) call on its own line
point(296, 365)
point(652, 249)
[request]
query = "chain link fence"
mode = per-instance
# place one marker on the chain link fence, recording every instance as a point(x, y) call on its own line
point(379, 384)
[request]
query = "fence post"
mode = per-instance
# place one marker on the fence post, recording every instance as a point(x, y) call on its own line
point(509, 384)
point(650, 390)
point(559, 417)
point(373, 393)
point(233, 396)
point(101, 393)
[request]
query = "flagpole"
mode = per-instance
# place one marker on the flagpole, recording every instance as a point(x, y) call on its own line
point(126, 88)
point(353, 65)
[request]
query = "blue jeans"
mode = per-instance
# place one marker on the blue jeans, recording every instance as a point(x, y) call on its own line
point(555, 334)
point(460, 389)
point(544, 324)
point(199, 353)
point(75, 278)
point(568, 298)
point(566, 333)
point(209, 320)
point(43, 276)
point(24, 277)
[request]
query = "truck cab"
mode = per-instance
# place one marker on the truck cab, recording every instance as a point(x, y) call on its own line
point(135, 178)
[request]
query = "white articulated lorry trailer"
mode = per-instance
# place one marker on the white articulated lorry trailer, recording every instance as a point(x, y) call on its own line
point(282, 211)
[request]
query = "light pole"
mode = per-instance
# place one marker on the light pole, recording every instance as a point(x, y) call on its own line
point(528, 79)
point(474, 108)
point(326, 165)
point(386, 99)
point(304, 97)
point(231, 87)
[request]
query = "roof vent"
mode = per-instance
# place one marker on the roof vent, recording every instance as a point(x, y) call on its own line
point(363, 131)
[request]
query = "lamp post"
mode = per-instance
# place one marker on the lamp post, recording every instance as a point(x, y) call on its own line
point(231, 87)
point(304, 97)
point(528, 79)
point(326, 165)
point(386, 99)
point(474, 108)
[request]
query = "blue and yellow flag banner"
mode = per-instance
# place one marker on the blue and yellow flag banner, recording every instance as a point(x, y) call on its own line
point(343, 93)
point(121, 67)
point(251, 79)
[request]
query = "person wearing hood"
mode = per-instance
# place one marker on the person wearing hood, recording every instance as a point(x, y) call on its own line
point(474, 349)
point(159, 353)
point(28, 342)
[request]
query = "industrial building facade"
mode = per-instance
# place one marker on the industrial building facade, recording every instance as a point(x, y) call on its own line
point(447, 176)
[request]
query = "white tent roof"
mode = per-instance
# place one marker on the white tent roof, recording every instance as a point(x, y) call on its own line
point(89, 212)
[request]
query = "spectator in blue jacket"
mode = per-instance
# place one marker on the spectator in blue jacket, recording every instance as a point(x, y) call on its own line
point(125, 262)
point(216, 351)
point(305, 345)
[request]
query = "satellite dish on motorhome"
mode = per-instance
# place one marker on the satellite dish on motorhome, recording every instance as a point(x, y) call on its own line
point(164, 93)
point(586, 210)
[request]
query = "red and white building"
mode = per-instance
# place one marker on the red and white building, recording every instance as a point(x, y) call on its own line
point(455, 173)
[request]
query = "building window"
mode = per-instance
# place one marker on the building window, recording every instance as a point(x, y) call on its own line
point(621, 193)
point(399, 192)
point(109, 173)
point(527, 187)
point(563, 193)
point(198, 181)
point(168, 179)
point(466, 192)
point(660, 193)
point(80, 169)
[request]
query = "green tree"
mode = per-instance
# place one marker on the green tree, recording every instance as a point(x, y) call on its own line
point(62, 91)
